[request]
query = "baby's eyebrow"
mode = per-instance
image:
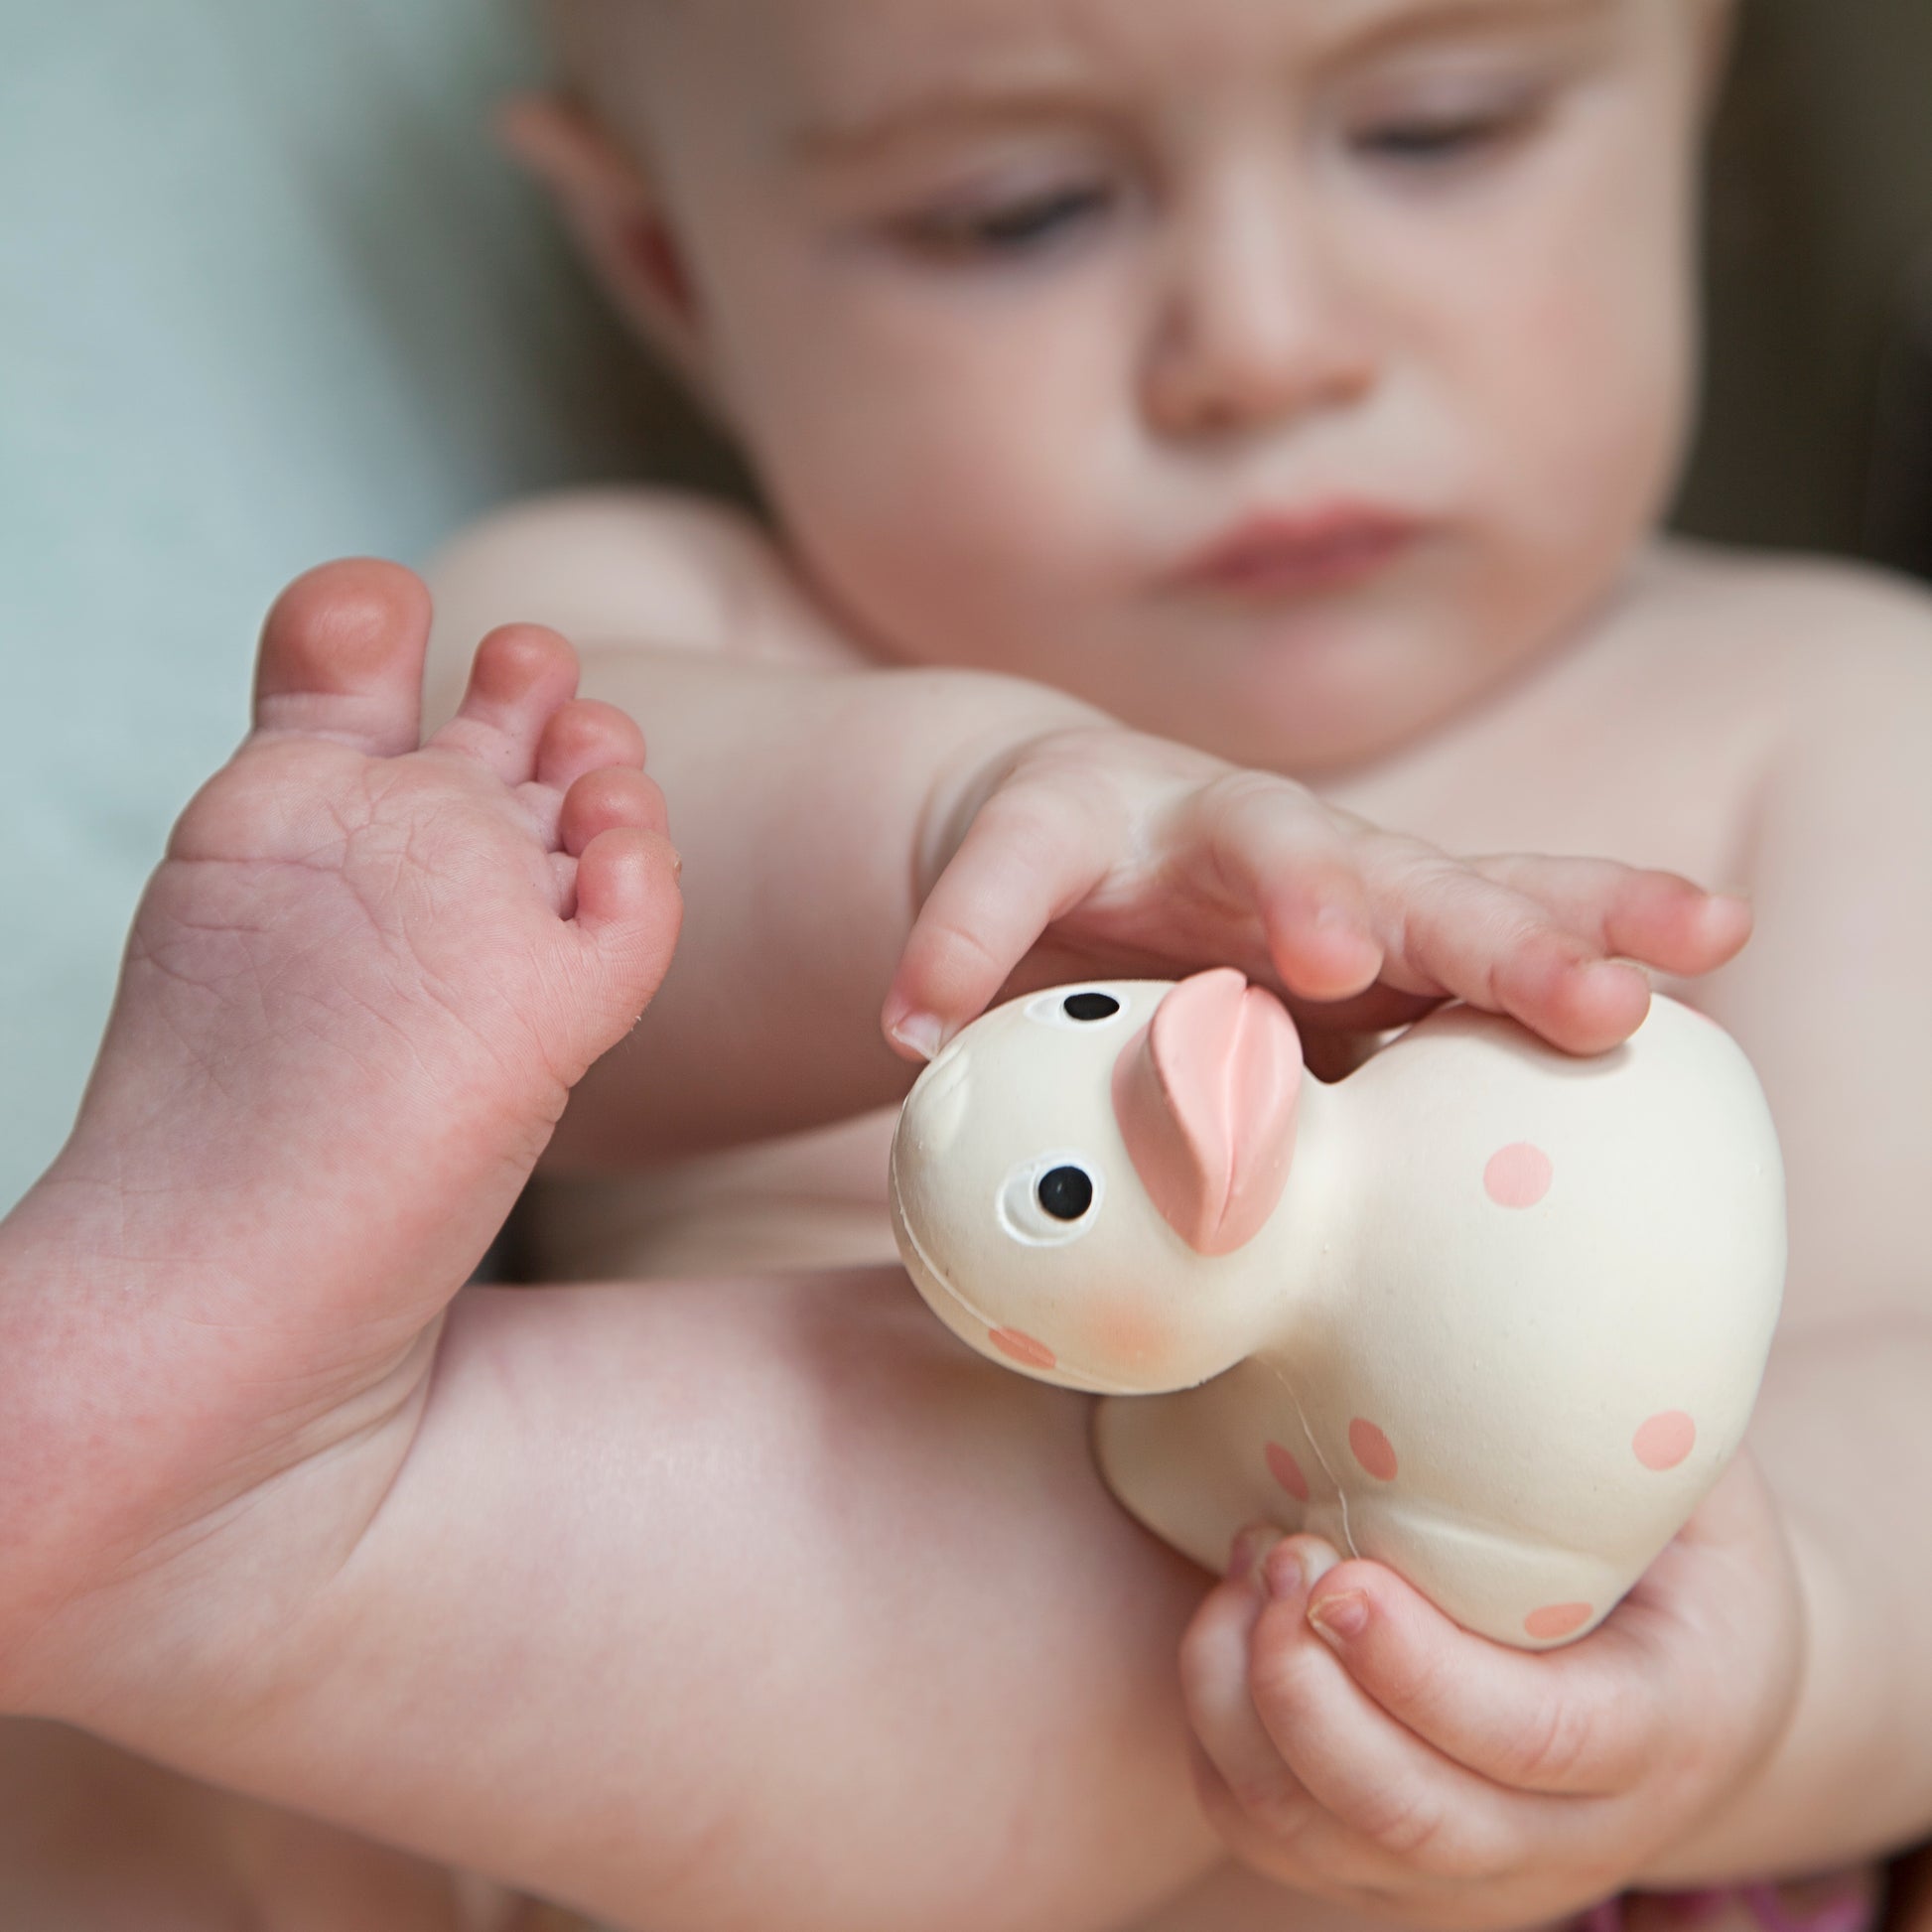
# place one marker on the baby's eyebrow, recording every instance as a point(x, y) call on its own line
point(1381, 25)
point(960, 108)
point(965, 104)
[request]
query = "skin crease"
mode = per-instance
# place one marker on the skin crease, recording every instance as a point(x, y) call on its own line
point(998, 466)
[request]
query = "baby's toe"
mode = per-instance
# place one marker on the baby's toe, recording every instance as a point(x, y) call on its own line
point(587, 737)
point(627, 913)
point(608, 800)
point(523, 677)
point(342, 657)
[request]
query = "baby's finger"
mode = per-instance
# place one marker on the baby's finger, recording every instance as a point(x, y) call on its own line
point(1365, 1769)
point(1275, 849)
point(1585, 1720)
point(1449, 929)
point(1658, 917)
point(1248, 1774)
point(1307, 1849)
point(1031, 854)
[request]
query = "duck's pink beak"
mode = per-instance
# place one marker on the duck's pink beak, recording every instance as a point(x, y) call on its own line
point(1205, 1099)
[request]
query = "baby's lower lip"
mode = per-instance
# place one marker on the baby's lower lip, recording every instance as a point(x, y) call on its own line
point(1269, 563)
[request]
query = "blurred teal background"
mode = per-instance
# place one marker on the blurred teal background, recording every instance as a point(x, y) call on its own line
point(267, 296)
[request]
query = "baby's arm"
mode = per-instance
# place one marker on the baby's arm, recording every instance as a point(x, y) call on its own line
point(1763, 1701)
point(850, 830)
point(1831, 1005)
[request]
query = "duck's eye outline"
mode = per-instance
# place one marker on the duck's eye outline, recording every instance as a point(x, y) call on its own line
point(1079, 1009)
point(1067, 1177)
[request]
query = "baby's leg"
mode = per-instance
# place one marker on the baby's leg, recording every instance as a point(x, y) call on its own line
point(754, 1606)
point(94, 1841)
point(357, 993)
point(794, 1613)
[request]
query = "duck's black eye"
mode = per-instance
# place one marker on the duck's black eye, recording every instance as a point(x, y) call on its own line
point(1066, 1194)
point(1089, 1005)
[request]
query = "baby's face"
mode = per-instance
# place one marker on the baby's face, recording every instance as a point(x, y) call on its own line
point(1278, 374)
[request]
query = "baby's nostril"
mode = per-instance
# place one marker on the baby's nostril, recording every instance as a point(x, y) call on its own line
point(1090, 1006)
point(1066, 1194)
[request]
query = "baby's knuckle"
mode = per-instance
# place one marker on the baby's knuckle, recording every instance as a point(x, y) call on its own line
point(1420, 1684)
point(1231, 800)
point(1033, 818)
point(1276, 1807)
point(957, 952)
point(1403, 1824)
point(1417, 1831)
point(1401, 860)
point(1277, 1678)
point(1552, 1751)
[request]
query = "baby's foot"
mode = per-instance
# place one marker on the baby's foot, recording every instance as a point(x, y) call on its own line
point(358, 992)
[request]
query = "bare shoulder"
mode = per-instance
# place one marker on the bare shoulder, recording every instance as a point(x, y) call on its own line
point(1833, 637)
point(623, 569)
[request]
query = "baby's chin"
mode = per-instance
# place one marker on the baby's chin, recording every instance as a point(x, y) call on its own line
point(1315, 692)
point(1324, 682)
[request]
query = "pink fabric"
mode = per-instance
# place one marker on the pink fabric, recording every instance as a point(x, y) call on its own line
point(1849, 1911)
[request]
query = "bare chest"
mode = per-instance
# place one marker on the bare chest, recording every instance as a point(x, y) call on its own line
point(1616, 755)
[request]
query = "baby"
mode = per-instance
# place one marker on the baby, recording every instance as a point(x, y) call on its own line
point(1161, 403)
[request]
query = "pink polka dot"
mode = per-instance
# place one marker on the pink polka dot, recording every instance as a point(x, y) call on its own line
point(1288, 1472)
point(1373, 1450)
point(1023, 1349)
point(1665, 1440)
point(1558, 1621)
point(1518, 1176)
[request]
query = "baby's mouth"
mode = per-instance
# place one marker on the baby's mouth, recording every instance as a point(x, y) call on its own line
point(1290, 554)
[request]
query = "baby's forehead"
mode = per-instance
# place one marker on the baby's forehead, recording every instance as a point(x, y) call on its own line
point(848, 53)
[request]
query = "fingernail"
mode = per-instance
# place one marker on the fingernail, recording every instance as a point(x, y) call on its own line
point(1298, 1566)
point(1342, 1616)
point(920, 1034)
point(1250, 1547)
point(1281, 1573)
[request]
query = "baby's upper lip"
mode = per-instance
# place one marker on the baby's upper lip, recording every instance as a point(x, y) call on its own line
point(1282, 551)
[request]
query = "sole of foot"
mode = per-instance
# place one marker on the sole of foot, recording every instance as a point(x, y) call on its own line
point(357, 996)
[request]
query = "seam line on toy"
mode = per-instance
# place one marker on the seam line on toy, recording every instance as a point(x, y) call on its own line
point(1315, 1449)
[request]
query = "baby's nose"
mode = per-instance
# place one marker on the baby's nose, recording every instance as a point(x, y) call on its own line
point(1255, 325)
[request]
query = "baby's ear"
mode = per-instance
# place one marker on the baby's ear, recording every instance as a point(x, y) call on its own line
point(620, 223)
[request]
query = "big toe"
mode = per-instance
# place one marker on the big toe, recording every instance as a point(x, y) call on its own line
point(341, 656)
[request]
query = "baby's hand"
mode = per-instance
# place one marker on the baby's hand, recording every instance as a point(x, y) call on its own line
point(1354, 1744)
point(1128, 853)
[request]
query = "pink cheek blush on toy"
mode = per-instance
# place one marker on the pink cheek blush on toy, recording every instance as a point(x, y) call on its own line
point(1487, 1313)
